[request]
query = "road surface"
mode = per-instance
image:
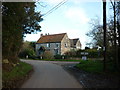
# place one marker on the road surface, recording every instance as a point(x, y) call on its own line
point(49, 75)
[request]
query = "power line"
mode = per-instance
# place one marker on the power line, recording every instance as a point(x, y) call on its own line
point(55, 7)
point(40, 3)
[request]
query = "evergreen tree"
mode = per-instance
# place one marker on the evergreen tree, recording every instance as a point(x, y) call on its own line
point(18, 18)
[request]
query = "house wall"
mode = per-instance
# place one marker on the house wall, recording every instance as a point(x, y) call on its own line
point(65, 44)
point(78, 45)
point(52, 47)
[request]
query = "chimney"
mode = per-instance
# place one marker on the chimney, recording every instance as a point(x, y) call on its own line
point(41, 34)
point(46, 34)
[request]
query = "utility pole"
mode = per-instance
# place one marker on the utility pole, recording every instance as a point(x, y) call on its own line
point(104, 28)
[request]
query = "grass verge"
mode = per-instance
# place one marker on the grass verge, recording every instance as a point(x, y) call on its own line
point(13, 78)
point(90, 66)
point(96, 67)
point(55, 60)
point(62, 60)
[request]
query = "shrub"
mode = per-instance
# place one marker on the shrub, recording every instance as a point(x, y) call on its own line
point(58, 56)
point(25, 52)
point(93, 53)
point(70, 54)
point(78, 53)
point(47, 55)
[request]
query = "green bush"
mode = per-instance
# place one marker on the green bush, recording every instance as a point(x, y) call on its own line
point(78, 53)
point(25, 52)
point(58, 56)
point(94, 53)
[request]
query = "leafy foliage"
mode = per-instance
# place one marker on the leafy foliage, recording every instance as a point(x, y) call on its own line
point(27, 50)
point(18, 18)
point(94, 53)
point(58, 56)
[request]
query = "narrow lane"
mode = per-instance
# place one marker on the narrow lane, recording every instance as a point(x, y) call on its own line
point(49, 75)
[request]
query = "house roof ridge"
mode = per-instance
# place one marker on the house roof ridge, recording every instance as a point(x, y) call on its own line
point(55, 34)
point(51, 38)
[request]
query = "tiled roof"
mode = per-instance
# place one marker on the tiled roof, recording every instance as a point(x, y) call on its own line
point(51, 38)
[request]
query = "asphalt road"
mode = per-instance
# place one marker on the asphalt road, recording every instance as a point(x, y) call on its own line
point(49, 75)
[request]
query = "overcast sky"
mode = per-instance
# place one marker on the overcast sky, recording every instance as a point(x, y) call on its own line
point(72, 18)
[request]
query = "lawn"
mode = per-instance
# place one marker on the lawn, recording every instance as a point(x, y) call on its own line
point(16, 74)
point(91, 66)
point(96, 67)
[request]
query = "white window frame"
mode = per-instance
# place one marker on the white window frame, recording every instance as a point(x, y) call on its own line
point(48, 44)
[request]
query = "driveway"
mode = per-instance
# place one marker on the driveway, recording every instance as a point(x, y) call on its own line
point(49, 74)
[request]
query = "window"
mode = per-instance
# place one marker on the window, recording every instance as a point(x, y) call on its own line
point(65, 44)
point(56, 51)
point(57, 45)
point(48, 44)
